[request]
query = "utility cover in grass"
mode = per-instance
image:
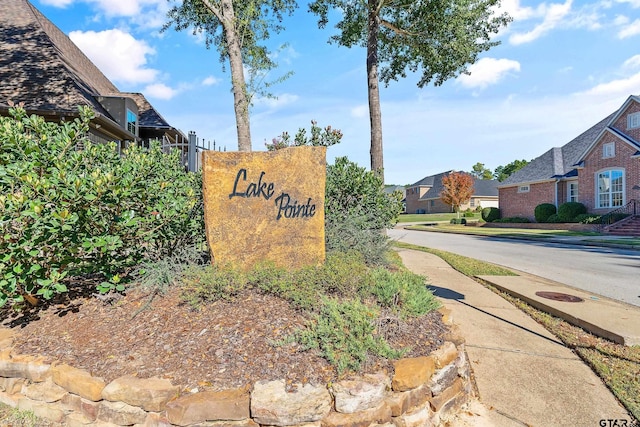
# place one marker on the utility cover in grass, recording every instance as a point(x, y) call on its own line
point(265, 206)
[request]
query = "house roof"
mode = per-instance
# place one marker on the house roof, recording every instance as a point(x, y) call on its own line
point(481, 187)
point(41, 67)
point(558, 162)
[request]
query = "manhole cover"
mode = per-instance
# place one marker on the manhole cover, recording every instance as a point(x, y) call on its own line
point(558, 296)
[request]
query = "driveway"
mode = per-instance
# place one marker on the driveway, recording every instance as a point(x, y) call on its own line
point(614, 273)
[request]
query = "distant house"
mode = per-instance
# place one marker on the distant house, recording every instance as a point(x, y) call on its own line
point(44, 70)
point(424, 195)
point(600, 168)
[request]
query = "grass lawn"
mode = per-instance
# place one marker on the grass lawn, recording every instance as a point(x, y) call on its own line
point(489, 231)
point(617, 365)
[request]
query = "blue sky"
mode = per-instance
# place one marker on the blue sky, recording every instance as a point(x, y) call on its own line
point(561, 67)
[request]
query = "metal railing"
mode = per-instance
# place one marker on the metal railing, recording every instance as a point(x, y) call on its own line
point(630, 209)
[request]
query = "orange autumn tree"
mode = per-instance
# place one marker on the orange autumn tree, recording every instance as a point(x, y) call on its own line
point(457, 189)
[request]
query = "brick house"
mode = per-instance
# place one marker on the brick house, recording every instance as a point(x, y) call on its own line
point(424, 195)
point(600, 168)
point(42, 69)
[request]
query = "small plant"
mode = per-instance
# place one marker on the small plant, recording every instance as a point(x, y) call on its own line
point(319, 137)
point(490, 214)
point(211, 283)
point(587, 218)
point(345, 334)
point(403, 292)
point(462, 221)
point(469, 214)
point(543, 211)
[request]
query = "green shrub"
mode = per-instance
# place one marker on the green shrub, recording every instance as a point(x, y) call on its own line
point(543, 211)
point(66, 212)
point(344, 332)
point(513, 219)
point(469, 214)
point(403, 292)
point(211, 283)
point(458, 221)
point(587, 218)
point(569, 210)
point(554, 219)
point(357, 210)
point(490, 214)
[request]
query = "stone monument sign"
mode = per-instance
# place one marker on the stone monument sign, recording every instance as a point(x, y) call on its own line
point(265, 206)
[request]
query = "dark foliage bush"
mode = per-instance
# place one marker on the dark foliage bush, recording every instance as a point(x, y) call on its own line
point(554, 219)
point(458, 221)
point(569, 210)
point(357, 211)
point(513, 219)
point(490, 214)
point(543, 211)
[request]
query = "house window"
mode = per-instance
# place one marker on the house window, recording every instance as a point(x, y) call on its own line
point(132, 122)
point(523, 189)
point(633, 120)
point(472, 203)
point(610, 190)
point(572, 192)
point(608, 150)
point(433, 203)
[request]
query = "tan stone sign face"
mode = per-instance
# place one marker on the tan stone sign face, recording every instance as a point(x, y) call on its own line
point(265, 206)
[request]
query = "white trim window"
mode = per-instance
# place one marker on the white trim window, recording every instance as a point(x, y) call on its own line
point(524, 189)
point(633, 120)
point(610, 188)
point(608, 150)
point(572, 191)
point(132, 122)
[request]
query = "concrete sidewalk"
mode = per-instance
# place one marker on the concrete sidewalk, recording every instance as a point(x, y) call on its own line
point(524, 375)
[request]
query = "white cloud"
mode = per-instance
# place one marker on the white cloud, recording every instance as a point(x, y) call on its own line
point(632, 3)
point(360, 111)
point(279, 101)
point(487, 71)
point(632, 29)
point(128, 8)
point(117, 54)
point(620, 20)
point(624, 86)
point(57, 3)
point(160, 91)
point(553, 16)
point(632, 63)
point(210, 81)
point(517, 12)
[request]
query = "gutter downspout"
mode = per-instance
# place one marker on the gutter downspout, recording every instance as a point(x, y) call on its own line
point(555, 202)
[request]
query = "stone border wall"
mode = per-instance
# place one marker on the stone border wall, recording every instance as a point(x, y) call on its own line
point(422, 391)
point(571, 226)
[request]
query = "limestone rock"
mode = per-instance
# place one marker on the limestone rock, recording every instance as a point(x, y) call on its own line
point(6, 338)
point(151, 394)
point(357, 395)
point(78, 382)
point(265, 206)
point(42, 409)
point(443, 378)
point(120, 413)
point(379, 415)
point(405, 401)
point(46, 391)
point(232, 405)
point(11, 385)
point(22, 366)
point(446, 354)
point(412, 372)
point(272, 405)
point(420, 417)
point(456, 389)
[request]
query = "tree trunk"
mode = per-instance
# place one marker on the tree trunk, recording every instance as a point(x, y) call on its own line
point(240, 100)
point(375, 116)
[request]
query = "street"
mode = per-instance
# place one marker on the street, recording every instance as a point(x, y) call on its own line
point(614, 273)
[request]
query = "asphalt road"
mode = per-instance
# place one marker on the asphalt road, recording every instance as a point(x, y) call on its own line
point(614, 273)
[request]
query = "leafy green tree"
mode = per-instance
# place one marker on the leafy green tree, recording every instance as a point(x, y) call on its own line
point(236, 29)
point(479, 171)
point(437, 38)
point(503, 172)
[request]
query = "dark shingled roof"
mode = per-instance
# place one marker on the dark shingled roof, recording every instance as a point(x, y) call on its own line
point(40, 65)
point(558, 162)
point(481, 187)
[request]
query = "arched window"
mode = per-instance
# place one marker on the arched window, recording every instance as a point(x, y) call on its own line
point(610, 188)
